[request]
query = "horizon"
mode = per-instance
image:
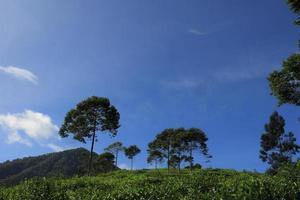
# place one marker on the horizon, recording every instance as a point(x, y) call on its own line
point(162, 65)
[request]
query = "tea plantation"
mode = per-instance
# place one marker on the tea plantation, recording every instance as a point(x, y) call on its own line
point(158, 184)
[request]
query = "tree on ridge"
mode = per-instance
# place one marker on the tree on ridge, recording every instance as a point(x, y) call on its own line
point(131, 152)
point(115, 148)
point(92, 115)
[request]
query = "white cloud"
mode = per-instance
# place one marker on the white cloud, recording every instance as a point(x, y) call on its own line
point(20, 73)
point(14, 137)
point(28, 127)
point(55, 147)
point(197, 32)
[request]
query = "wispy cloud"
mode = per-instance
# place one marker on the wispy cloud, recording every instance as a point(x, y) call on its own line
point(197, 32)
point(20, 73)
point(235, 75)
point(182, 83)
point(28, 127)
point(14, 137)
point(207, 79)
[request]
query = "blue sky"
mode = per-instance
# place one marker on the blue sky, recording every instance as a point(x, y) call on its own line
point(170, 63)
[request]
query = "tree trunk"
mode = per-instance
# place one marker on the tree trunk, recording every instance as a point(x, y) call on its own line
point(91, 155)
point(131, 164)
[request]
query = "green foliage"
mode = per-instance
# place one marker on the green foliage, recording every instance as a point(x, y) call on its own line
point(295, 7)
point(290, 170)
point(154, 156)
point(177, 145)
point(90, 116)
point(115, 148)
point(131, 152)
point(285, 84)
point(157, 184)
point(277, 147)
point(105, 162)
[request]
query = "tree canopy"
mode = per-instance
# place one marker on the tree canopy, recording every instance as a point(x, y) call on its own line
point(105, 162)
point(294, 5)
point(277, 147)
point(89, 117)
point(115, 148)
point(177, 145)
point(285, 84)
point(131, 152)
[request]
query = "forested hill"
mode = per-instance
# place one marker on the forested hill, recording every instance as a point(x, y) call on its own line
point(66, 163)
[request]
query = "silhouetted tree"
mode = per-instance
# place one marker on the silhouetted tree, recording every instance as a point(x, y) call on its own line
point(115, 148)
point(131, 152)
point(177, 145)
point(285, 84)
point(178, 148)
point(277, 147)
point(162, 143)
point(195, 139)
point(95, 114)
point(154, 156)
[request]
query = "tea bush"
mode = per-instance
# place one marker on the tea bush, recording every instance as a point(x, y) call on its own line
point(158, 185)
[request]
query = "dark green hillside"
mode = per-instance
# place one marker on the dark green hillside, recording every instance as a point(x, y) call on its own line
point(66, 163)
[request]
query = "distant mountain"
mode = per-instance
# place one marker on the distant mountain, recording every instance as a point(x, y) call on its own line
point(66, 163)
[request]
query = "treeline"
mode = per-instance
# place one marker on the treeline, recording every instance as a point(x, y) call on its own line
point(96, 114)
point(175, 146)
point(171, 146)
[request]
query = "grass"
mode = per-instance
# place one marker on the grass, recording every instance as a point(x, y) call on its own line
point(158, 184)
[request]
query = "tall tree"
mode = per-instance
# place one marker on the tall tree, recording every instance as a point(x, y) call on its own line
point(154, 156)
point(163, 144)
point(285, 84)
point(277, 147)
point(131, 152)
point(95, 114)
point(178, 150)
point(115, 148)
point(177, 145)
point(195, 139)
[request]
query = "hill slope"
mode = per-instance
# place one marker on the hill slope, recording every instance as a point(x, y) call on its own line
point(158, 184)
point(66, 163)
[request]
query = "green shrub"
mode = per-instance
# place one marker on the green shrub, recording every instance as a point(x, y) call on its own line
point(158, 184)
